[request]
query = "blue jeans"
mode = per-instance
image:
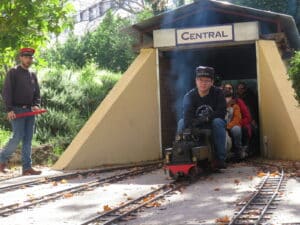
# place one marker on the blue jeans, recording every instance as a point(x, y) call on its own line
point(22, 131)
point(236, 134)
point(219, 138)
point(218, 127)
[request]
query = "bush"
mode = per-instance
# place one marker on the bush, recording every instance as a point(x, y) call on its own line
point(70, 98)
point(4, 123)
point(4, 136)
point(108, 46)
point(294, 74)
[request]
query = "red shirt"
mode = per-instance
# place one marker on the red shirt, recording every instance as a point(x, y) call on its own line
point(246, 116)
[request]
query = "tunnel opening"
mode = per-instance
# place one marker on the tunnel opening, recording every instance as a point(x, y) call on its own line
point(233, 64)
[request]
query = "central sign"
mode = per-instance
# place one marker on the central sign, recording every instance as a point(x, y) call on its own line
point(204, 35)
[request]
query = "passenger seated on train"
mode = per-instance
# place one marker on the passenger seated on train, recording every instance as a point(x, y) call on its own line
point(233, 119)
point(246, 116)
point(197, 102)
point(250, 99)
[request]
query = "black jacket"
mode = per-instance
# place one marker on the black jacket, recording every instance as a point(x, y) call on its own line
point(192, 100)
point(20, 88)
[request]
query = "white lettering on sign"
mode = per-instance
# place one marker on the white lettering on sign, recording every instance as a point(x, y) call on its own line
point(205, 34)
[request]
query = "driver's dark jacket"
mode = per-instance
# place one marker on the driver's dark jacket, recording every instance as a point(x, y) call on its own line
point(192, 100)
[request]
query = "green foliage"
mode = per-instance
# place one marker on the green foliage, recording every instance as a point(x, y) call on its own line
point(4, 136)
point(178, 3)
point(109, 47)
point(158, 6)
point(294, 74)
point(290, 7)
point(28, 23)
point(271, 5)
point(70, 54)
point(4, 124)
point(58, 127)
point(70, 98)
point(143, 15)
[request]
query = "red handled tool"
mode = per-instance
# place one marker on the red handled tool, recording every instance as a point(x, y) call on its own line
point(31, 113)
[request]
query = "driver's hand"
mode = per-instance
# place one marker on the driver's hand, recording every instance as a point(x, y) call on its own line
point(35, 108)
point(11, 115)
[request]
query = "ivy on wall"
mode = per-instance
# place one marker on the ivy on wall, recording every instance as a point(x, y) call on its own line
point(294, 74)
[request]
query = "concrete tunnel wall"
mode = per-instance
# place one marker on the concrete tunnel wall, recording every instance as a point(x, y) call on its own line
point(279, 111)
point(125, 127)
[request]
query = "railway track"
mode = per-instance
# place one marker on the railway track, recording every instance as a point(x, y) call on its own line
point(257, 209)
point(253, 211)
point(128, 209)
point(16, 207)
point(9, 178)
point(42, 180)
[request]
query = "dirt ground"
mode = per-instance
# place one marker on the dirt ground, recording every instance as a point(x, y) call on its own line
point(212, 197)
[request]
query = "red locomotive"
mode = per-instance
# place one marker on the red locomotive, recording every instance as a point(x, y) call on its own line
point(190, 154)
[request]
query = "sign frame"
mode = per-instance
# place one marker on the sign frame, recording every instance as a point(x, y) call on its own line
point(230, 26)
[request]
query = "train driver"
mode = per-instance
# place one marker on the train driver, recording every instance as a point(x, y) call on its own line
point(206, 96)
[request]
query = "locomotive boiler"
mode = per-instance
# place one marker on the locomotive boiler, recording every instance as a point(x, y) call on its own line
point(190, 154)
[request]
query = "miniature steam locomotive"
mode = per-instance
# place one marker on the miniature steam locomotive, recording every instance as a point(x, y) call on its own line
point(190, 155)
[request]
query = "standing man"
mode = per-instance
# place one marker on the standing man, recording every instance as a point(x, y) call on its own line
point(21, 93)
point(208, 98)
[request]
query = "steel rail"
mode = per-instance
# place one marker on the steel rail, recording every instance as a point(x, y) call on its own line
point(250, 200)
point(120, 212)
point(9, 209)
point(9, 178)
point(271, 199)
point(267, 190)
point(70, 175)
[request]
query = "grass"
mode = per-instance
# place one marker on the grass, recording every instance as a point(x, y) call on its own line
point(5, 135)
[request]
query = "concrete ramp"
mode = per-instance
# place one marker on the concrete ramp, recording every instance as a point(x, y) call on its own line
point(279, 111)
point(125, 127)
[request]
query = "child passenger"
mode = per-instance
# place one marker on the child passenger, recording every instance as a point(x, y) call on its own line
point(233, 119)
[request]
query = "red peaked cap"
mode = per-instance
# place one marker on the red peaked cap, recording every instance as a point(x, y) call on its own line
point(27, 51)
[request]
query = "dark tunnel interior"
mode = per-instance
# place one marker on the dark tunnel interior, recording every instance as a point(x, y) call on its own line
point(177, 77)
